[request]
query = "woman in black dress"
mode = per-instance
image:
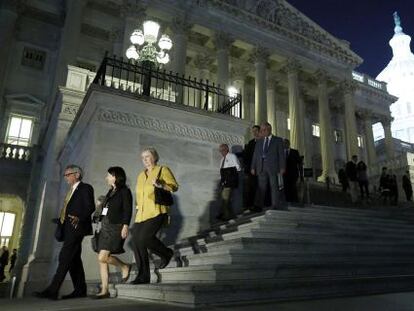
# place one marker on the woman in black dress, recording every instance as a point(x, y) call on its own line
point(115, 216)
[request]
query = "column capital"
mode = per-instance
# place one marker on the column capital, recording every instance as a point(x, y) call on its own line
point(386, 120)
point(180, 25)
point(259, 55)
point(321, 76)
point(272, 80)
point(116, 34)
point(239, 72)
point(134, 9)
point(203, 61)
point(348, 86)
point(222, 40)
point(291, 66)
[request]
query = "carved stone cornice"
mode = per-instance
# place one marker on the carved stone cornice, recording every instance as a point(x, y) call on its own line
point(321, 76)
point(134, 9)
point(239, 72)
point(223, 40)
point(259, 55)
point(167, 126)
point(203, 61)
point(386, 120)
point(285, 20)
point(94, 31)
point(180, 25)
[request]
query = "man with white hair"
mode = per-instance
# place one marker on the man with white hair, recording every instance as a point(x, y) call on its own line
point(75, 218)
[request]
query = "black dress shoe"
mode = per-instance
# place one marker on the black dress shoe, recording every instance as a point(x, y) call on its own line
point(140, 281)
point(165, 261)
point(46, 294)
point(74, 295)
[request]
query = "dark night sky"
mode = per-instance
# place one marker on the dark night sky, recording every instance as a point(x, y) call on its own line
point(367, 24)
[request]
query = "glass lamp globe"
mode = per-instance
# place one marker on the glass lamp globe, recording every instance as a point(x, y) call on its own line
point(137, 37)
point(151, 30)
point(132, 53)
point(165, 43)
point(232, 91)
point(163, 58)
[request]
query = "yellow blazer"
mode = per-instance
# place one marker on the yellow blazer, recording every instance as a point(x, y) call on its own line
point(146, 207)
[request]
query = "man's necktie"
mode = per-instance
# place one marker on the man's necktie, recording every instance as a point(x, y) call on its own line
point(266, 146)
point(222, 163)
point(65, 203)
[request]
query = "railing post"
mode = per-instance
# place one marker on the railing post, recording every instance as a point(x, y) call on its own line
point(206, 97)
point(147, 72)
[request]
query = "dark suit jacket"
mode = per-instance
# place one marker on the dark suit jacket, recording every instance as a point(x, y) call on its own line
point(119, 205)
point(351, 171)
point(248, 155)
point(275, 157)
point(82, 205)
point(293, 164)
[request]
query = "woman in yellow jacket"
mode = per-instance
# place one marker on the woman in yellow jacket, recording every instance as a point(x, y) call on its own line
point(150, 216)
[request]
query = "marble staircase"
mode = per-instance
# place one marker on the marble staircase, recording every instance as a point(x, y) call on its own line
point(299, 253)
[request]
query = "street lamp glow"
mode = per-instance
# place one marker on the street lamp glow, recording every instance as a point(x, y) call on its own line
point(232, 91)
point(144, 45)
point(151, 30)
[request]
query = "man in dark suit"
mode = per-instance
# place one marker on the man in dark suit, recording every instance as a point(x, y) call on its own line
point(75, 217)
point(250, 181)
point(268, 164)
point(291, 175)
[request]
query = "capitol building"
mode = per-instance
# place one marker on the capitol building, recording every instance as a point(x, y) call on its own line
point(68, 94)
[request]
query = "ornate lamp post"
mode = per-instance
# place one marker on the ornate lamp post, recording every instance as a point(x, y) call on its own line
point(145, 50)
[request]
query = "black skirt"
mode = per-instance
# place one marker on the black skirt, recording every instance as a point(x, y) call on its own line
point(110, 237)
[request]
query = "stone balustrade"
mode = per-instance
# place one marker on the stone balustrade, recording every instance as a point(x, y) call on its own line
point(365, 79)
point(15, 152)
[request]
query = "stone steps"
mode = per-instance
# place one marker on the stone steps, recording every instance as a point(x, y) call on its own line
point(295, 253)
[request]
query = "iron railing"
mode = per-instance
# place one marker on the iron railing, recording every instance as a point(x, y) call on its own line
point(144, 79)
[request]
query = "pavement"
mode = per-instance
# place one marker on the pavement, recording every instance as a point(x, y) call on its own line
point(385, 302)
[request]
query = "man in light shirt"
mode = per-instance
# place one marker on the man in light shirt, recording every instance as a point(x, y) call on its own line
point(229, 168)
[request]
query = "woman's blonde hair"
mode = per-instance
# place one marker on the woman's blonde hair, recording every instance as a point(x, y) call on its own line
point(153, 152)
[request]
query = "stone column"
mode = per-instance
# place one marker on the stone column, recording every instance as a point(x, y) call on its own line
point(348, 88)
point(369, 137)
point(272, 81)
point(223, 42)
point(134, 15)
point(239, 74)
point(117, 37)
point(203, 63)
point(180, 27)
point(326, 138)
point(297, 130)
point(9, 13)
point(259, 58)
point(388, 140)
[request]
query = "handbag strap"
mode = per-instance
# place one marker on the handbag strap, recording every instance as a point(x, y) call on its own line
point(159, 174)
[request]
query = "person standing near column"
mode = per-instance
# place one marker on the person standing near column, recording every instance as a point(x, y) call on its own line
point(291, 175)
point(250, 181)
point(229, 169)
point(268, 164)
point(75, 217)
point(352, 174)
point(406, 184)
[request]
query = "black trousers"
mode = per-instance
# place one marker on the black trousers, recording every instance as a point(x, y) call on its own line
point(70, 261)
point(144, 239)
point(290, 188)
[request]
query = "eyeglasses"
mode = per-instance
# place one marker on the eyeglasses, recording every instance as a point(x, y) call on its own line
point(68, 174)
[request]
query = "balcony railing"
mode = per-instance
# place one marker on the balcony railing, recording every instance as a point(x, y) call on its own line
point(15, 152)
point(363, 78)
point(145, 80)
